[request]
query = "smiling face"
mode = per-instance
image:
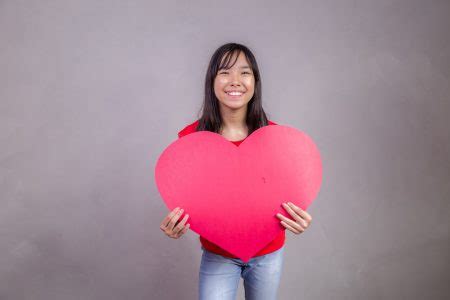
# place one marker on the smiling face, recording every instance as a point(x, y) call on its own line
point(235, 87)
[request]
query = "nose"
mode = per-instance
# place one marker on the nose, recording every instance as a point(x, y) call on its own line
point(236, 80)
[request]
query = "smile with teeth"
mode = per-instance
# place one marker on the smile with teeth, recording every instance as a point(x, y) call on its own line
point(235, 93)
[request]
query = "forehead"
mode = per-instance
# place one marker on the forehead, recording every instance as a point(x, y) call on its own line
point(234, 60)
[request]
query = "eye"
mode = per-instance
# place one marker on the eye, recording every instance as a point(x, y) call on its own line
point(223, 72)
point(246, 73)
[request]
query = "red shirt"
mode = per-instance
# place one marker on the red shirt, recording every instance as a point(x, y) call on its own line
point(276, 244)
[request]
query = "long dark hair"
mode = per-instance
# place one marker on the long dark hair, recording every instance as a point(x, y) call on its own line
point(211, 119)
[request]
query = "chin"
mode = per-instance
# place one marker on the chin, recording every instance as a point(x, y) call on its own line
point(235, 105)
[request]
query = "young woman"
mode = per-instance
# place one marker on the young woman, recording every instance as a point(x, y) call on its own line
point(233, 108)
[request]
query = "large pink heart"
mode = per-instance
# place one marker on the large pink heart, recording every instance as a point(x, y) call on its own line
point(233, 193)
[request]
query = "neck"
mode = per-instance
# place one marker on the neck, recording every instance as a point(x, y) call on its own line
point(234, 119)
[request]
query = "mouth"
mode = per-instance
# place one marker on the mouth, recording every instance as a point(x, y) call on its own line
point(235, 94)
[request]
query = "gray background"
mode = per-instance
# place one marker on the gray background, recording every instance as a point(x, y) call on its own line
point(93, 91)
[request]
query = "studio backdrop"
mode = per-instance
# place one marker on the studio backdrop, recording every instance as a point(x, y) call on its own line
point(91, 92)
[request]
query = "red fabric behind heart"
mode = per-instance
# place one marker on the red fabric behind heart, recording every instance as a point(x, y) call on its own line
point(232, 194)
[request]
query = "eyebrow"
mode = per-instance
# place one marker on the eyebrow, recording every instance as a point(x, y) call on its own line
point(243, 67)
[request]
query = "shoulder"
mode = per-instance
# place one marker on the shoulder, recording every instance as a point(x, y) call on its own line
point(188, 129)
point(272, 123)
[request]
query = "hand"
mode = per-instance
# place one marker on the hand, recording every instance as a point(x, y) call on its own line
point(301, 218)
point(169, 224)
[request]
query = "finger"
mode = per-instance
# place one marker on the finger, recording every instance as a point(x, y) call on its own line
point(295, 215)
point(180, 224)
point(291, 212)
point(290, 228)
point(185, 229)
point(301, 212)
point(286, 219)
point(290, 222)
point(168, 217)
point(174, 220)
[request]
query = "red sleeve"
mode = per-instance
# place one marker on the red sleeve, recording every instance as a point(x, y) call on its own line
point(188, 129)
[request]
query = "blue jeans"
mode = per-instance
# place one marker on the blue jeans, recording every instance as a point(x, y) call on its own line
point(219, 276)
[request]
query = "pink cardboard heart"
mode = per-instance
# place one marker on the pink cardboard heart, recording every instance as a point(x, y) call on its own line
point(233, 193)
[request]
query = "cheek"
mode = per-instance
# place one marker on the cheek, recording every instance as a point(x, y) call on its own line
point(250, 83)
point(221, 81)
point(219, 85)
